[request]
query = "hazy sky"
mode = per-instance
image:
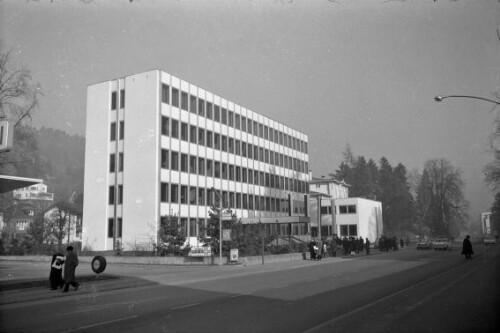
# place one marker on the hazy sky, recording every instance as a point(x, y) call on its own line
point(358, 72)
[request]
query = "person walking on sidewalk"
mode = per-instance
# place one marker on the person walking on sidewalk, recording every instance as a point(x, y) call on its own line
point(367, 246)
point(69, 269)
point(467, 248)
point(56, 266)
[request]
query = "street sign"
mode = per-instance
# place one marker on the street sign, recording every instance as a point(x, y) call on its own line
point(226, 216)
point(226, 234)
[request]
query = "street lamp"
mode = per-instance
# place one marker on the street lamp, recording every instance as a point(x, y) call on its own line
point(440, 98)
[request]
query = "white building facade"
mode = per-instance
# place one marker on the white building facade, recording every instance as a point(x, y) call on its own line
point(156, 145)
point(341, 215)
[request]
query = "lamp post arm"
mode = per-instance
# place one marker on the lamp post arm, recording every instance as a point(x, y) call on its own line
point(440, 98)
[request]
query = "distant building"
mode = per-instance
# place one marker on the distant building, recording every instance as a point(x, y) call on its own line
point(17, 219)
point(341, 215)
point(71, 213)
point(157, 145)
point(36, 194)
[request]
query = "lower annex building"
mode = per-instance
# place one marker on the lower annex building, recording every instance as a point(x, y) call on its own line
point(156, 145)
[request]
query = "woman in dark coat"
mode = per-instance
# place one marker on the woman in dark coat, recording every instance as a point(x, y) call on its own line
point(55, 277)
point(467, 248)
point(69, 269)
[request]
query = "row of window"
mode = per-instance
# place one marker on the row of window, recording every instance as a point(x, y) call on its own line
point(344, 209)
point(206, 167)
point(200, 136)
point(212, 111)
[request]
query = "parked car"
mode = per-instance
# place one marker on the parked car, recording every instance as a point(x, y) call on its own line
point(424, 245)
point(490, 240)
point(442, 244)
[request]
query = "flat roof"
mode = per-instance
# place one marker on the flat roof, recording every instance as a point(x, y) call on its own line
point(10, 183)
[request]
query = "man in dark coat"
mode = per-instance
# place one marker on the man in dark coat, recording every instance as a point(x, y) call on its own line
point(367, 246)
point(467, 248)
point(69, 269)
point(55, 276)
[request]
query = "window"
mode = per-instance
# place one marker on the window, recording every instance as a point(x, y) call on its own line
point(342, 209)
point(216, 141)
point(243, 149)
point(210, 198)
point(192, 164)
point(111, 222)
point(238, 174)
point(250, 176)
point(276, 136)
point(184, 194)
point(243, 123)
point(164, 192)
point(231, 199)
point(250, 151)
point(209, 110)
point(224, 143)
point(216, 113)
point(165, 93)
point(184, 131)
point(231, 172)
point(224, 116)
point(201, 166)
point(353, 230)
point(244, 177)
point(238, 200)
point(165, 126)
point(217, 169)
point(174, 193)
point(184, 163)
point(112, 163)
point(249, 127)
point(224, 170)
point(261, 131)
point(192, 227)
point(201, 136)
point(111, 195)
point(262, 179)
point(201, 197)
point(113, 100)
point(261, 154)
point(209, 168)
point(112, 132)
point(122, 129)
point(250, 202)
point(175, 128)
point(175, 97)
point(192, 104)
point(256, 153)
point(326, 209)
point(164, 159)
point(209, 139)
point(122, 98)
point(237, 147)
point(266, 132)
point(237, 121)
point(271, 134)
point(351, 209)
point(256, 177)
point(255, 128)
point(231, 145)
point(201, 107)
point(120, 162)
point(245, 201)
point(184, 100)
point(174, 161)
point(192, 195)
point(120, 194)
point(230, 118)
point(192, 134)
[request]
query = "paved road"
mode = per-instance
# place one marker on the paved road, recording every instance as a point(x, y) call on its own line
point(396, 292)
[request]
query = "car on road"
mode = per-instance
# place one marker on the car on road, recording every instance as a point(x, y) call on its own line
point(424, 245)
point(442, 244)
point(490, 240)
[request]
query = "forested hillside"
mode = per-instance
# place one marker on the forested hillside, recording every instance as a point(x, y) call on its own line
point(49, 154)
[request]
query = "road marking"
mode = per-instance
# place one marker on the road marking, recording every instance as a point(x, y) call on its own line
point(239, 295)
point(184, 306)
point(99, 324)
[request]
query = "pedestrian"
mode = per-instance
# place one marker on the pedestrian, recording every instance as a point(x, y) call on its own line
point(69, 269)
point(467, 248)
point(55, 277)
point(367, 246)
point(312, 254)
point(324, 251)
point(317, 254)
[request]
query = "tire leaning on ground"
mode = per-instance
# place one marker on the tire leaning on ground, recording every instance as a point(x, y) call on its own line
point(98, 264)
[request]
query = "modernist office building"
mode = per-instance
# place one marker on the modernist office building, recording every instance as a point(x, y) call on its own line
point(156, 145)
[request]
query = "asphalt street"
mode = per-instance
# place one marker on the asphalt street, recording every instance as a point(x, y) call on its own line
point(414, 291)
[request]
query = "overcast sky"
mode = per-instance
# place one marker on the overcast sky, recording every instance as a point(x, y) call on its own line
point(362, 73)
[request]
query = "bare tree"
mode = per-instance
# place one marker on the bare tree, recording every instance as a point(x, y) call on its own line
point(492, 169)
point(18, 92)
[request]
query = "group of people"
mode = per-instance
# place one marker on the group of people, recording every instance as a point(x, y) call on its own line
point(352, 245)
point(69, 263)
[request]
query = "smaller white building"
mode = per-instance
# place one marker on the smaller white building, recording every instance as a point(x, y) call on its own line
point(340, 215)
point(486, 223)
